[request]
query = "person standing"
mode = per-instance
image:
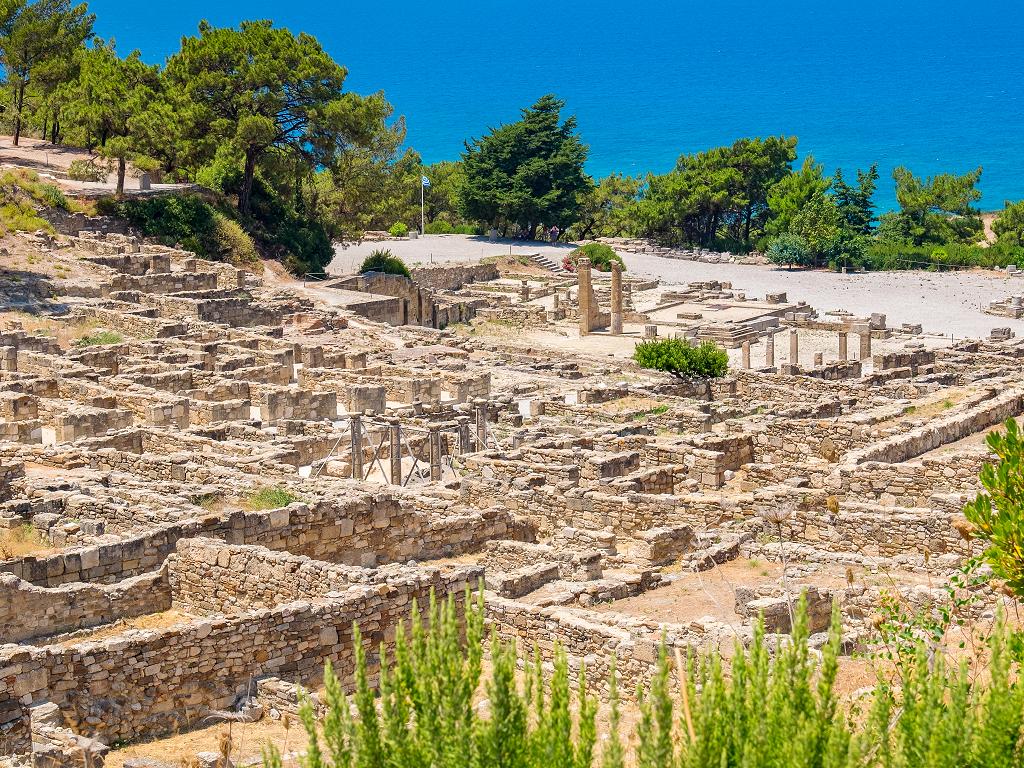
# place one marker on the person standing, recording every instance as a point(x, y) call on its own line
point(555, 232)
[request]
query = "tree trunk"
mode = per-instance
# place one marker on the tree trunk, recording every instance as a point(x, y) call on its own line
point(46, 125)
point(122, 166)
point(245, 194)
point(55, 132)
point(19, 103)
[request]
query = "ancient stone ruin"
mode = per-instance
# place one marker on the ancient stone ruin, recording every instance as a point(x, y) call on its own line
point(241, 472)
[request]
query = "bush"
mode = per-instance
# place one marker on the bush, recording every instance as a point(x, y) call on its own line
point(398, 229)
point(88, 170)
point(789, 250)
point(270, 498)
point(896, 256)
point(681, 358)
point(601, 257)
point(442, 227)
point(233, 244)
point(100, 338)
point(777, 705)
point(384, 261)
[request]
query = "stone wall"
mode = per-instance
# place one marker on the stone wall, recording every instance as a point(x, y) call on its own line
point(159, 681)
point(28, 611)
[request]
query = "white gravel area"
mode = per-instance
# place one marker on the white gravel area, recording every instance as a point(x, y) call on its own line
point(943, 302)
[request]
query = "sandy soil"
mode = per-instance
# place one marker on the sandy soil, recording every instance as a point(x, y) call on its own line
point(943, 302)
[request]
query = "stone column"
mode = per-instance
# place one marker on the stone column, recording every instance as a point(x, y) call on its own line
point(465, 441)
point(844, 351)
point(481, 425)
point(746, 354)
point(554, 299)
point(650, 331)
point(794, 347)
point(356, 425)
point(769, 350)
point(616, 319)
point(819, 359)
point(524, 291)
point(586, 295)
point(240, 279)
point(395, 436)
point(434, 444)
point(865, 344)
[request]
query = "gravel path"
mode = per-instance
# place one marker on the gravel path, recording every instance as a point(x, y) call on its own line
point(946, 302)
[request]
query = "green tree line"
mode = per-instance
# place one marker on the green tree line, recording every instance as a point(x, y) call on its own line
point(261, 116)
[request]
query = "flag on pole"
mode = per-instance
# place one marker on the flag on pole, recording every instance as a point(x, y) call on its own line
point(425, 181)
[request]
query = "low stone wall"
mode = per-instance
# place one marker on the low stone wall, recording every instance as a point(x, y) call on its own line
point(450, 277)
point(940, 432)
point(28, 611)
point(155, 682)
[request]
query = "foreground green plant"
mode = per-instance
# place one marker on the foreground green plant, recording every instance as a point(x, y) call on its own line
point(997, 514)
point(777, 707)
point(681, 358)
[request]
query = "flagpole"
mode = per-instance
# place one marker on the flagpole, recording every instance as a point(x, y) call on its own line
point(423, 227)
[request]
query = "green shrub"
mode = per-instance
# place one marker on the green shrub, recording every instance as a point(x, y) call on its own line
point(88, 170)
point(384, 261)
point(233, 243)
point(681, 358)
point(789, 250)
point(898, 256)
point(443, 227)
point(776, 706)
point(100, 338)
point(270, 498)
point(398, 229)
point(997, 514)
point(601, 256)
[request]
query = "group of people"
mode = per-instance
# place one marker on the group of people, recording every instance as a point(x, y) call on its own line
point(548, 235)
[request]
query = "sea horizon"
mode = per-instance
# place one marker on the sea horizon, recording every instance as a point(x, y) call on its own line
point(923, 85)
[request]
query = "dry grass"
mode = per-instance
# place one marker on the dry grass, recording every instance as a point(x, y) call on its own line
point(22, 541)
point(161, 620)
point(67, 334)
point(247, 740)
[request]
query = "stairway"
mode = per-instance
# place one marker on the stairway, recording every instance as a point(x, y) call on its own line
point(546, 262)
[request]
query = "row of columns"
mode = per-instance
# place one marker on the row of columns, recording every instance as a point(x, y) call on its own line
point(435, 443)
point(794, 349)
point(585, 296)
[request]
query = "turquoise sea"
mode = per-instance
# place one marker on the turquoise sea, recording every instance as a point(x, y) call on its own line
point(934, 85)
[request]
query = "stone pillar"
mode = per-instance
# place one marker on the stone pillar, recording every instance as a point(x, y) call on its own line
point(434, 444)
point(465, 441)
point(844, 351)
point(586, 295)
point(794, 347)
point(746, 354)
point(524, 291)
point(650, 331)
point(819, 359)
point(865, 344)
point(481, 425)
point(356, 424)
point(395, 435)
point(554, 298)
point(769, 350)
point(616, 319)
point(239, 279)
point(8, 358)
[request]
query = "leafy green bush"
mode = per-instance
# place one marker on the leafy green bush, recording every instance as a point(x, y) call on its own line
point(100, 338)
point(384, 261)
point(443, 227)
point(789, 250)
point(997, 514)
point(270, 498)
point(601, 256)
point(398, 229)
point(88, 170)
point(777, 706)
point(681, 358)
point(881, 255)
point(233, 244)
